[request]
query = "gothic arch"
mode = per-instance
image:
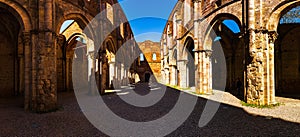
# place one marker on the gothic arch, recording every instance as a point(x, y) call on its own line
point(278, 11)
point(189, 68)
point(23, 18)
point(223, 16)
point(19, 12)
point(112, 43)
point(83, 22)
point(188, 42)
point(219, 39)
point(75, 35)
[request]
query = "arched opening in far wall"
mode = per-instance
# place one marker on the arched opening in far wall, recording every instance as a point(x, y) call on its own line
point(11, 59)
point(72, 45)
point(287, 53)
point(226, 32)
point(189, 53)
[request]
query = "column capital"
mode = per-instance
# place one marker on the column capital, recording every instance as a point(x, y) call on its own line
point(197, 1)
point(273, 35)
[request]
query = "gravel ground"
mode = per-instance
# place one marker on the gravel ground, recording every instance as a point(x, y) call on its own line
point(231, 118)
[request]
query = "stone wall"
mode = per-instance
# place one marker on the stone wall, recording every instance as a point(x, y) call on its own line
point(150, 48)
point(258, 21)
point(33, 49)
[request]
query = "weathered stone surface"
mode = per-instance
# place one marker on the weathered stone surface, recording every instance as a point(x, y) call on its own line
point(38, 59)
point(253, 55)
point(151, 52)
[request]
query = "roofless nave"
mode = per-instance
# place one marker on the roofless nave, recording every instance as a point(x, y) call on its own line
point(37, 58)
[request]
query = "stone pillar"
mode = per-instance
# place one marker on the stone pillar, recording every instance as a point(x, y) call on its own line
point(173, 77)
point(111, 72)
point(27, 69)
point(123, 75)
point(204, 68)
point(104, 79)
point(197, 7)
point(272, 37)
point(255, 70)
point(167, 76)
point(181, 64)
point(260, 70)
point(44, 90)
point(91, 72)
point(61, 64)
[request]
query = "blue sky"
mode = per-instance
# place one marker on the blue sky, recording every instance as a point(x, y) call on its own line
point(147, 17)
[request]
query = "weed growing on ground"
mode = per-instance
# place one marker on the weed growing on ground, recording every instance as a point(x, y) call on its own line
point(261, 106)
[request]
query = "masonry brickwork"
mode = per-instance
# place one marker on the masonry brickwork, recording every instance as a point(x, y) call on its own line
point(36, 57)
point(195, 24)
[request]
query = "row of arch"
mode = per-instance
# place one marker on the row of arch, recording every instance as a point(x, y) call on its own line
point(21, 73)
point(225, 42)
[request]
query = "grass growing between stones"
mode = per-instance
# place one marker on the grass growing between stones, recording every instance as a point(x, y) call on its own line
point(261, 106)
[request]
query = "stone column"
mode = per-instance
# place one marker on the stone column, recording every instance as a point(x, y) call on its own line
point(272, 37)
point(28, 67)
point(255, 70)
point(123, 75)
point(260, 70)
point(167, 76)
point(204, 68)
point(181, 64)
point(60, 40)
point(173, 77)
point(197, 7)
point(91, 72)
point(111, 72)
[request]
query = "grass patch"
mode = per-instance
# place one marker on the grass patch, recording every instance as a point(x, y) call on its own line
point(260, 106)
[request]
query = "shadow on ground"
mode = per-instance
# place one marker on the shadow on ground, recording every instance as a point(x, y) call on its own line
point(70, 121)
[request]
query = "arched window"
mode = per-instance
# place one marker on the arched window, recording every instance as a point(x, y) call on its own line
point(142, 57)
point(154, 57)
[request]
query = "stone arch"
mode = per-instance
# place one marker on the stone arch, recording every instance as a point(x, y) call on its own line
point(181, 49)
point(189, 41)
point(19, 12)
point(223, 16)
point(83, 21)
point(110, 41)
point(75, 35)
point(22, 78)
point(107, 64)
point(147, 76)
point(278, 12)
point(68, 49)
point(187, 72)
point(74, 51)
point(217, 20)
point(227, 47)
point(286, 52)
